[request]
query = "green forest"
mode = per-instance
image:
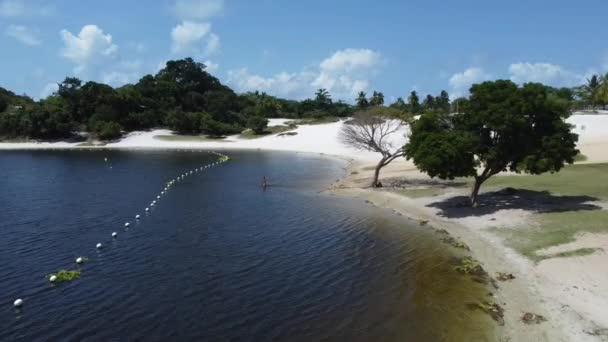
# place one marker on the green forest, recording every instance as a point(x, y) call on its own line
point(185, 98)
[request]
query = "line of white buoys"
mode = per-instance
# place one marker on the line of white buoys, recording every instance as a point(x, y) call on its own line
point(80, 260)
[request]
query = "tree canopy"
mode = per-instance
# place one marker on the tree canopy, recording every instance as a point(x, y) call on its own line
point(182, 96)
point(502, 127)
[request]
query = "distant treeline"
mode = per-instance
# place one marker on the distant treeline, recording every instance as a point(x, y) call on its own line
point(184, 97)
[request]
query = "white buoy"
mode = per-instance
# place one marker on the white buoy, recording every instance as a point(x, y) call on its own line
point(147, 209)
point(52, 279)
point(99, 245)
point(105, 159)
point(114, 234)
point(18, 303)
point(162, 192)
point(127, 224)
point(152, 204)
point(157, 197)
point(137, 217)
point(79, 260)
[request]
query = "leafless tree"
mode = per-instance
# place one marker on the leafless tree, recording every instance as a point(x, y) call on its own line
point(371, 132)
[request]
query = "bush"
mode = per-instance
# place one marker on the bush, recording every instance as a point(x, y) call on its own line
point(257, 124)
point(108, 130)
point(186, 123)
point(218, 129)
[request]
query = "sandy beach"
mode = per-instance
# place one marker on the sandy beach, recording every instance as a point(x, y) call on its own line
point(571, 292)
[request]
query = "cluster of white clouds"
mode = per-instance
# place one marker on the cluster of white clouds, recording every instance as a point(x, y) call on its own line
point(344, 74)
point(89, 47)
point(460, 82)
point(193, 36)
point(523, 72)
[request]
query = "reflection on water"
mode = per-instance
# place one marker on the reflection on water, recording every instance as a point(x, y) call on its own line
point(218, 259)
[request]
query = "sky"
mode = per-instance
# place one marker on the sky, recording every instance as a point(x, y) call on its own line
point(291, 48)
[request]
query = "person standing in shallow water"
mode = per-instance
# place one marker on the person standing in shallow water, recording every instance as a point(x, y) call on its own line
point(264, 183)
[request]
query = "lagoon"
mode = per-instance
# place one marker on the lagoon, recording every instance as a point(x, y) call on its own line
point(218, 258)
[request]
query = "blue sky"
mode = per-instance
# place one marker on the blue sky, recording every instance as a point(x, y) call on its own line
point(291, 48)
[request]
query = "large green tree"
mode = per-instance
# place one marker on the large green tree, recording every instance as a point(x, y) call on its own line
point(503, 127)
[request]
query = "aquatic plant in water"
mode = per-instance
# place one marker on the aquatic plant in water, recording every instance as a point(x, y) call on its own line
point(530, 318)
point(493, 309)
point(64, 276)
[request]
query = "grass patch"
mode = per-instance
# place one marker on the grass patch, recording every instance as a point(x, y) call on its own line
point(64, 276)
point(314, 121)
point(249, 134)
point(90, 144)
point(581, 179)
point(187, 138)
point(555, 229)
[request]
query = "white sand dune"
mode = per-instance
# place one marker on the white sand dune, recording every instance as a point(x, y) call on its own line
point(324, 138)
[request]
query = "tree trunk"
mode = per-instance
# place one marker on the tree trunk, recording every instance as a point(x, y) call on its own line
point(475, 192)
point(377, 173)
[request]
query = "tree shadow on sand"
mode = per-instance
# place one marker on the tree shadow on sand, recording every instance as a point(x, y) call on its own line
point(509, 198)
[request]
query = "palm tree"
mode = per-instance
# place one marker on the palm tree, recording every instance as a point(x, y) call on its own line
point(362, 100)
point(589, 91)
point(602, 91)
point(322, 96)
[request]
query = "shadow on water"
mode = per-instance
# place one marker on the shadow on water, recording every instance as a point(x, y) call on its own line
point(509, 198)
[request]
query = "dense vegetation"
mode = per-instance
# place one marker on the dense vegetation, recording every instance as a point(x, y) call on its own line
point(181, 96)
point(184, 97)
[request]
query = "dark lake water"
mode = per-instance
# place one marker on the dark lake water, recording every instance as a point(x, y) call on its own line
point(217, 259)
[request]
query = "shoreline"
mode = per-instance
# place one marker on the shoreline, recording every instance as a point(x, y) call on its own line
point(528, 292)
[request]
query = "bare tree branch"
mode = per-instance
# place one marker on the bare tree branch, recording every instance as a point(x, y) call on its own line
point(372, 133)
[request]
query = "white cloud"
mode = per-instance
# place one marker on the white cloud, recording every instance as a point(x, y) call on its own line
point(343, 74)
point(351, 60)
point(90, 46)
point(198, 9)
point(19, 8)
point(127, 71)
point(546, 73)
point(119, 78)
point(48, 90)
point(187, 36)
point(211, 67)
point(213, 44)
point(23, 34)
point(461, 82)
